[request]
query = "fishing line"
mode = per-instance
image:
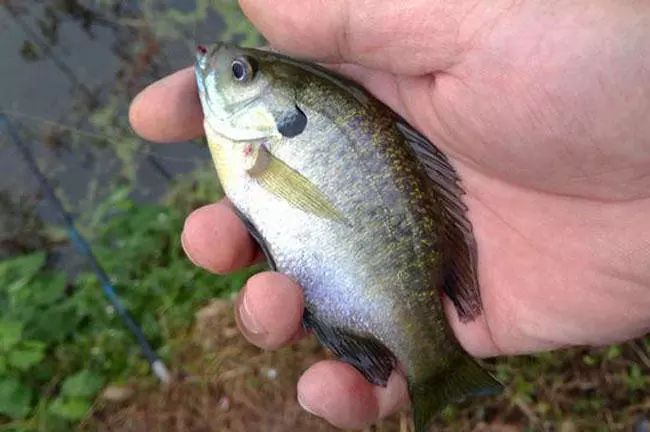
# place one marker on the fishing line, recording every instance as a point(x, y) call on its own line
point(83, 247)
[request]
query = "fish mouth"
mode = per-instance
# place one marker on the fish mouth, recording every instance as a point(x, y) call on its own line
point(202, 55)
point(202, 65)
point(201, 50)
point(201, 69)
point(204, 52)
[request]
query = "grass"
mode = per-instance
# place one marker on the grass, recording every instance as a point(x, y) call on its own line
point(60, 341)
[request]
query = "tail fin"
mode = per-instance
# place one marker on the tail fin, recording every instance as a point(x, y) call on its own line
point(465, 378)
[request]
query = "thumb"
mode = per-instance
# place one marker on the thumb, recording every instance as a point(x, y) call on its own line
point(410, 38)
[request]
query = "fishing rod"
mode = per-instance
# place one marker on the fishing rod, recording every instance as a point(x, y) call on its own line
point(83, 247)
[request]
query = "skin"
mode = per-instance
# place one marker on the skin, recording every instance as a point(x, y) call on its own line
point(543, 109)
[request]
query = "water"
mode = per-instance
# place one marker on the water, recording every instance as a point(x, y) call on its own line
point(73, 66)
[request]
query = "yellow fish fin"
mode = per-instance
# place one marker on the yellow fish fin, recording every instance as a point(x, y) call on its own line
point(283, 181)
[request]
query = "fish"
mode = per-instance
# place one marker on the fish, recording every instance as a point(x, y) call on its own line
point(358, 207)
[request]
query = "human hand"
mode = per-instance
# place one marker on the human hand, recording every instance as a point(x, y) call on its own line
point(542, 108)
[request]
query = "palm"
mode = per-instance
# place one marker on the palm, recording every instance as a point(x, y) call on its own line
point(556, 179)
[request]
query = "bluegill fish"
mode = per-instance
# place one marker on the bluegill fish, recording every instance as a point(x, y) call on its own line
point(358, 207)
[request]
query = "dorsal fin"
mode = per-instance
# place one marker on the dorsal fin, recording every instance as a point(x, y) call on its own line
point(460, 280)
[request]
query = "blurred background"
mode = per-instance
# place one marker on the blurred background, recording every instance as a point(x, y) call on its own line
point(68, 69)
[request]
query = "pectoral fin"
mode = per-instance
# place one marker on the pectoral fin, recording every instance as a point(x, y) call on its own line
point(283, 181)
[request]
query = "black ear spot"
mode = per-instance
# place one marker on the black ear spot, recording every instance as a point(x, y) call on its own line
point(292, 123)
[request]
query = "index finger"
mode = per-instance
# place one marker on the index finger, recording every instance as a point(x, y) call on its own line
point(406, 38)
point(168, 110)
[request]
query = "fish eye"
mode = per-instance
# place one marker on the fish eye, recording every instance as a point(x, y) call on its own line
point(242, 69)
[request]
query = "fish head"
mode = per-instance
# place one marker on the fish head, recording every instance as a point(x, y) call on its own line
point(234, 86)
point(243, 94)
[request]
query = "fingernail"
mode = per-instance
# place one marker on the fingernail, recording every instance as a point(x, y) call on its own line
point(187, 249)
point(305, 406)
point(248, 320)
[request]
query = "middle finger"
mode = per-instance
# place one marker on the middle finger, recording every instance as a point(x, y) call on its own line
point(215, 239)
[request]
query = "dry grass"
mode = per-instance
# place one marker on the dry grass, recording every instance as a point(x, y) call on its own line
point(231, 386)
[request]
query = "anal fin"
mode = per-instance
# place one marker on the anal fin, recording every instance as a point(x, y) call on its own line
point(365, 353)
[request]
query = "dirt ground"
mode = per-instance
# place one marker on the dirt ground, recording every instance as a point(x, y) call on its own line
point(228, 385)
